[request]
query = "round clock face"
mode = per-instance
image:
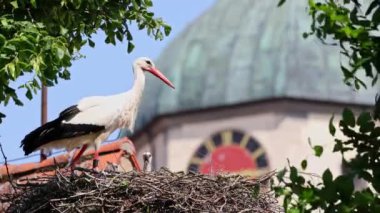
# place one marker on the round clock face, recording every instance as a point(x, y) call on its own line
point(230, 151)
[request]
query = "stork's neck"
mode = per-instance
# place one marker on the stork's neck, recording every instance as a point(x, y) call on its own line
point(139, 82)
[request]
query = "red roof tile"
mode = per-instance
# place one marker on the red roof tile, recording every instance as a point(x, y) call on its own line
point(109, 153)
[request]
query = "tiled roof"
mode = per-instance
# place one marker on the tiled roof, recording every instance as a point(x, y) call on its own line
point(108, 154)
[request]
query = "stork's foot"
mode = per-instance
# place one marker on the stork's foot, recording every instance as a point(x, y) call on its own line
point(76, 159)
point(74, 171)
point(95, 165)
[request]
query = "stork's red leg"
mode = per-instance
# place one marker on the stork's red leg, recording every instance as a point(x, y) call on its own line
point(134, 162)
point(95, 161)
point(80, 153)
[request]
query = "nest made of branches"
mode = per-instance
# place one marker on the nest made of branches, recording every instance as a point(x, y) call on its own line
point(160, 191)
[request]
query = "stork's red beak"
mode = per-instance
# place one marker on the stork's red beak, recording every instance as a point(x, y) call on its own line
point(161, 76)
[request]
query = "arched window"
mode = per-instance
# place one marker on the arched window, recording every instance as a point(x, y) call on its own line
point(230, 151)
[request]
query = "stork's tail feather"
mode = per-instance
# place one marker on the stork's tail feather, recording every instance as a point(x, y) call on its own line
point(38, 137)
point(56, 130)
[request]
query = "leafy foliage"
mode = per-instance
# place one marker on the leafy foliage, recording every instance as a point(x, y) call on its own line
point(44, 37)
point(337, 194)
point(354, 27)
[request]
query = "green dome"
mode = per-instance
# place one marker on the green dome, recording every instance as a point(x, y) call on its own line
point(244, 51)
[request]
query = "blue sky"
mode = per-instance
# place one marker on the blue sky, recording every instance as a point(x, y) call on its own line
point(106, 70)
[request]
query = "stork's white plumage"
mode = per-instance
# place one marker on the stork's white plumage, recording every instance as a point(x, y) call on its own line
point(147, 158)
point(93, 119)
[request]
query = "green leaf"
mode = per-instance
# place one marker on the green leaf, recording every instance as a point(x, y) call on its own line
point(28, 94)
point(345, 186)
point(11, 70)
point(328, 193)
point(348, 117)
point(14, 4)
point(338, 146)
point(293, 174)
point(119, 36)
point(365, 175)
point(372, 6)
point(308, 195)
point(300, 180)
point(148, 3)
point(17, 101)
point(280, 3)
point(305, 35)
point(331, 126)
point(65, 74)
point(1, 117)
point(364, 118)
point(318, 150)
point(2, 40)
point(131, 46)
point(376, 184)
point(135, 4)
point(293, 210)
point(36, 84)
point(364, 197)
point(91, 43)
point(374, 80)
point(327, 177)
point(304, 164)
point(280, 175)
point(129, 36)
point(359, 83)
point(63, 30)
point(77, 3)
point(375, 132)
point(167, 30)
point(34, 4)
point(365, 122)
point(347, 74)
point(110, 39)
point(376, 17)
point(59, 52)
point(256, 191)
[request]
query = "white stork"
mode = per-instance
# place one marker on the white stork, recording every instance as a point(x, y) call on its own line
point(147, 157)
point(93, 119)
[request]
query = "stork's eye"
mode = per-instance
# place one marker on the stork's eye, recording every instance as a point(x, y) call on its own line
point(148, 62)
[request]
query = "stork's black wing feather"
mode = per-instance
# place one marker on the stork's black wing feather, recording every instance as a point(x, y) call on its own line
point(68, 113)
point(56, 130)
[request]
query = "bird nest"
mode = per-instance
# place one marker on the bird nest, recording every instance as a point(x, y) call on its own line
point(160, 191)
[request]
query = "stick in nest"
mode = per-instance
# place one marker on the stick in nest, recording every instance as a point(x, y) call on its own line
point(6, 166)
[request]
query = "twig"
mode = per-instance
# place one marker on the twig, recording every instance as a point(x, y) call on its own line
point(6, 166)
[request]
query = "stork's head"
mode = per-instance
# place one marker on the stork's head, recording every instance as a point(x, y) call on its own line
point(146, 64)
point(147, 157)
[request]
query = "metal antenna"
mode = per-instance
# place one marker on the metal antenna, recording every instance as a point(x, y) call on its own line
point(43, 153)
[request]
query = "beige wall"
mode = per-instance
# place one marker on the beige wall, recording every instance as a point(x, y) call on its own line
point(283, 135)
point(282, 127)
